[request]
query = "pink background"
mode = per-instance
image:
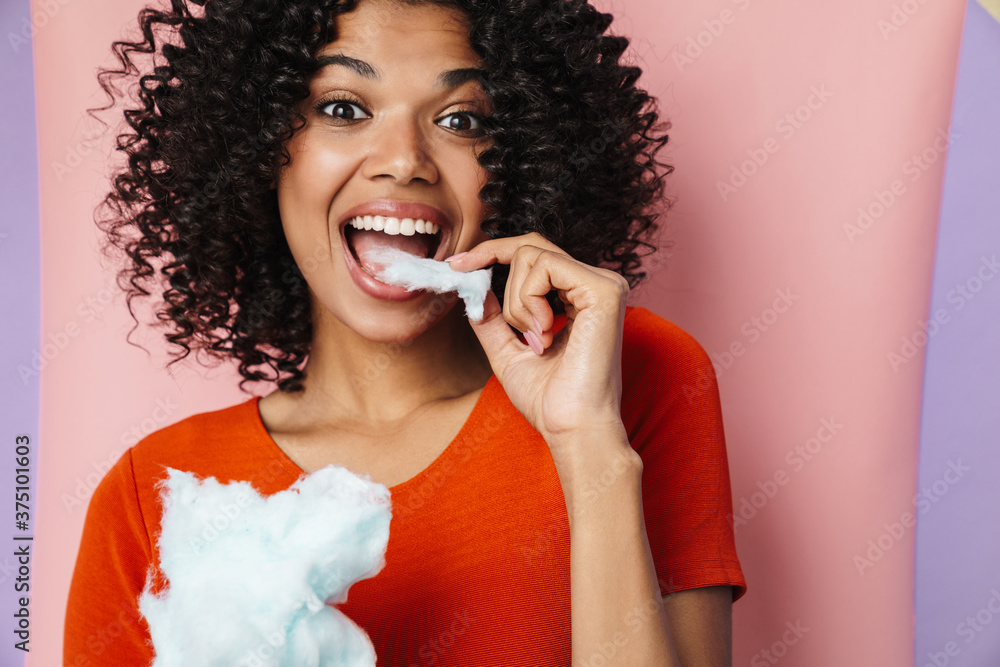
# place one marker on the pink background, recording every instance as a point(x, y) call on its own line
point(825, 357)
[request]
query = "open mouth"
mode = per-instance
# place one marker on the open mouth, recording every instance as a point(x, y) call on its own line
point(414, 236)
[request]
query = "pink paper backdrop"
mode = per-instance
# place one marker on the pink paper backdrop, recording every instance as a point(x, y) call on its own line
point(809, 112)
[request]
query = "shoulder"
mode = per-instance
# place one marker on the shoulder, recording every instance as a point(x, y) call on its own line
point(207, 444)
point(669, 385)
point(229, 444)
point(223, 443)
point(652, 344)
point(673, 414)
point(118, 541)
point(179, 445)
point(187, 440)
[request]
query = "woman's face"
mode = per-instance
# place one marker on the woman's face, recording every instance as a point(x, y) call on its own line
point(391, 141)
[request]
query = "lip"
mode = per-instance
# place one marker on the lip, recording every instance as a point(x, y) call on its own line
point(396, 209)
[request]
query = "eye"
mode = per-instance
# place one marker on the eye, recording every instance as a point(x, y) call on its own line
point(463, 121)
point(342, 109)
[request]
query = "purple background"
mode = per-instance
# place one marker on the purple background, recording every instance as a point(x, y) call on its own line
point(958, 541)
point(19, 288)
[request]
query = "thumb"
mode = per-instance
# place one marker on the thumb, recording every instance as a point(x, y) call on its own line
point(495, 335)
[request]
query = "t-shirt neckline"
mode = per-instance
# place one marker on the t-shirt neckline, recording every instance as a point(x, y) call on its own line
point(293, 468)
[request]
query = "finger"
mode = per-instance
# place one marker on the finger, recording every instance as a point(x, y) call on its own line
point(567, 304)
point(501, 250)
point(583, 288)
point(522, 310)
point(497, 339)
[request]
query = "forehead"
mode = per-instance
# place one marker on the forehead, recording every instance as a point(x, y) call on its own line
point(389, 30)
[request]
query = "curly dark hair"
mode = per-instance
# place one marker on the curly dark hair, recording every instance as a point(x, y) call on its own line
point(573, 158)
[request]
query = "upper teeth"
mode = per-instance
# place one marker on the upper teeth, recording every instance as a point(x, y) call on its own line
point(389, 225)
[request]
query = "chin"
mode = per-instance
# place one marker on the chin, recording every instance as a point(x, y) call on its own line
point(403, 322)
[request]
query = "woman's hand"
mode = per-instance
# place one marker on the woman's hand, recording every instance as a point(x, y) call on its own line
point(571, 384)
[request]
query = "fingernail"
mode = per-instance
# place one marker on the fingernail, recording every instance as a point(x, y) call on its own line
point(533, 342)
point(448, 259)
point(538, 325)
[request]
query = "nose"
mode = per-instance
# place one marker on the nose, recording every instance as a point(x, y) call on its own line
point(399, 151)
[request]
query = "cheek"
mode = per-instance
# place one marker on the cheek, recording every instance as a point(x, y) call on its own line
point(307, 230)
point(311, 248)
point(313, 183)
point(303, 223)
point(307, 188)
point(318, 166)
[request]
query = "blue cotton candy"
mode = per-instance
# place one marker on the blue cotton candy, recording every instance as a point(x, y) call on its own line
point(413, 273)
point(250, 576)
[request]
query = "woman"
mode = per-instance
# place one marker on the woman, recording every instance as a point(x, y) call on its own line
point(269, 152)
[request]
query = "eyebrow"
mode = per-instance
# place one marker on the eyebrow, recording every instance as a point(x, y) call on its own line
point(452, 78)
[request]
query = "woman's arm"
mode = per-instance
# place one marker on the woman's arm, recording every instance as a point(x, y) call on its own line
point(701, 622)
point(102, 624)
point(569, 388)
point(616, 605)
point(618, 616)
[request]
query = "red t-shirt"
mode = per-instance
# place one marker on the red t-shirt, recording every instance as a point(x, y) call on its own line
point(477, 568)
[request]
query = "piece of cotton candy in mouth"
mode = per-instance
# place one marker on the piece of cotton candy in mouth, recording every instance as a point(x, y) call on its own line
point(414, 273)
point(252, 578)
